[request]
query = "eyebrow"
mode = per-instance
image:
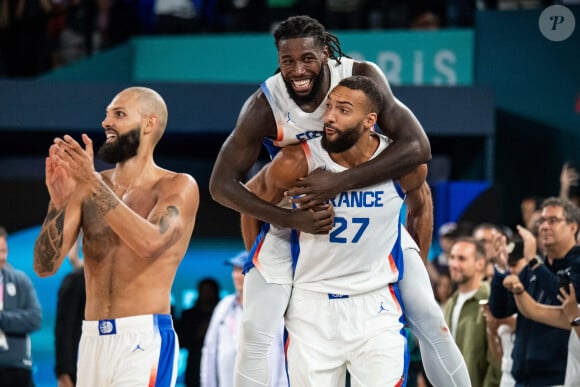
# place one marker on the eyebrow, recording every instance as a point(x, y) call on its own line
point(114, 109)
point(339, 102)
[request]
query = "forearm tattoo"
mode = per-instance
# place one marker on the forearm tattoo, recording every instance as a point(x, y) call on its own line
point(165, 220)
point(104, 200)
point(49, 243)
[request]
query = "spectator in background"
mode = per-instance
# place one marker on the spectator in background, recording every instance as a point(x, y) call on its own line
point(502, 331)
point(528, 207)
point(439, 265)
point(566, 316)
point(539, 354)
point(20, 315)
point(464, 315)
point(444, 288)
point(70, 313)
point(193, 326)
point(487, 234)
point(221, 340)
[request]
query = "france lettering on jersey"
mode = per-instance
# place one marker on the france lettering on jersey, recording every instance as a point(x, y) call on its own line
point(294, 124)
point(362, 253)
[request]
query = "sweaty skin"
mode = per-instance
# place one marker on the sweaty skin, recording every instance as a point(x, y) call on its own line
point(302, 58)
point(136, 219)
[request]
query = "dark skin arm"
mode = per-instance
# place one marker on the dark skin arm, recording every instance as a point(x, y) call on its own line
point(410, 148)
point(239, 152)
point(420, 216)
point(270, 183)
point(237, 155)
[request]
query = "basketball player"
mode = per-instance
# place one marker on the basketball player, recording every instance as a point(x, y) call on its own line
point(136, 221)
point(345, 311)
point(287, 109)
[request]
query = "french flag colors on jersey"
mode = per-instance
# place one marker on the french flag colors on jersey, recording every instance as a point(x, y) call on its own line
point(362, 253)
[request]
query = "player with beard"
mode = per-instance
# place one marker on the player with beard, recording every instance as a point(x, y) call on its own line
point(136, 220)
point(345, 311)
point(287, 109)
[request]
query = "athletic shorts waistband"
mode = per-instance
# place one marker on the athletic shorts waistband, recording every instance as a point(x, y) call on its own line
point(127, 324)
point(330, 295)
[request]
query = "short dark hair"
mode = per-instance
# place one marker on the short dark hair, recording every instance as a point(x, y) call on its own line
point(304, 26)
point(486, 226)
point(479, 247)
point(367, 86)
point(571, 211)
point(517, 252)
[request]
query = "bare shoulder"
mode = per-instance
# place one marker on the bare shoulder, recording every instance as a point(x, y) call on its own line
point(256, 118)
point(289, 164)
point(176, 182)
point(106, 174)
point(368, 69)
point(291, 154)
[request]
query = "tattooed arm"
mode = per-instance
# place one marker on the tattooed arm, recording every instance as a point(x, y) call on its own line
point(165, 213)
point(61, 225)
point(151, 234)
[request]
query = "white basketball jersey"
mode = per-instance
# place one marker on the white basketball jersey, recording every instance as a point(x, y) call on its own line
point(294, 124)
point(270, 251)
point(362, 253)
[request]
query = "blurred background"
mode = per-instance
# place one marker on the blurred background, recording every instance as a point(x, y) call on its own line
point(493, 83)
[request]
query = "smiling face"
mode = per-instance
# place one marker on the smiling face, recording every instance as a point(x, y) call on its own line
point(465, 265)
point(122, 126)
point(301, 62)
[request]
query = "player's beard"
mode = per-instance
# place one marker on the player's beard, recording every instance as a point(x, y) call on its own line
point(316, 86)
point(122, 149)
point(344, 140)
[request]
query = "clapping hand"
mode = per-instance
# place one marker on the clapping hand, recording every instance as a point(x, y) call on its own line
point(76, 161)
point(569, 302)
point(530, 243)
point(58, 181)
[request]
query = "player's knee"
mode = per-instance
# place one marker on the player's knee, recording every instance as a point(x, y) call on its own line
point(257, 333)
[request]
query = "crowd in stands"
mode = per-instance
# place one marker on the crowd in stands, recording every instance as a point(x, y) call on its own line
point(39, 35)
point(477, 289)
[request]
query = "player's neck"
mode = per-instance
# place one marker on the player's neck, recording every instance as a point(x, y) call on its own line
point(359, 153)
point(132, 172)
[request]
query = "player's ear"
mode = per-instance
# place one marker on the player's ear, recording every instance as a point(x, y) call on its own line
point(151, 123)
point(371, 119)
